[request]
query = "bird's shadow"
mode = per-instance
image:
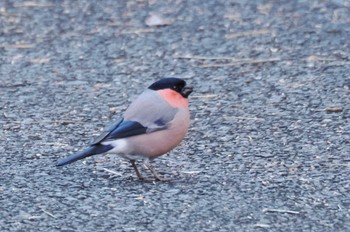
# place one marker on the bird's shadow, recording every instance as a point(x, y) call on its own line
point(167, 179)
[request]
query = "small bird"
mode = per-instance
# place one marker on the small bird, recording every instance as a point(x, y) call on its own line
point(155, 123)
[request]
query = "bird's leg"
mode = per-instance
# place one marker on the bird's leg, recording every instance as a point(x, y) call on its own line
point(136, 170)
point(149, 166)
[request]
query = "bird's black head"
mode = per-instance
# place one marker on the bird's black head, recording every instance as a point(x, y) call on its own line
point(173, 83)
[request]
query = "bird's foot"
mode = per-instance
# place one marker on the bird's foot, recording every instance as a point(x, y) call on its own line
point(155, 174)
point(149, 167)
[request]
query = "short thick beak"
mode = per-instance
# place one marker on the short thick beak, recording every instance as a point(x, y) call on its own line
point(186, 91)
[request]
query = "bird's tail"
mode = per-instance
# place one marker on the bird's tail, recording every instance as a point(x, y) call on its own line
point(92, 150)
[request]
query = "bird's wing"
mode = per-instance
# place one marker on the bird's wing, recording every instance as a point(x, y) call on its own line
point(107, 131)
point(126, 128)
point(147, 114)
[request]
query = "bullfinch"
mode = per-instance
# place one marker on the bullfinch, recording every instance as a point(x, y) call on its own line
point(155, 123)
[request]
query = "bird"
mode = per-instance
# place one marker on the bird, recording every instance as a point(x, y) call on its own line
point(154, 123)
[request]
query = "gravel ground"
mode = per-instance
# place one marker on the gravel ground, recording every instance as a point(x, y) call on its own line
point(268, 148)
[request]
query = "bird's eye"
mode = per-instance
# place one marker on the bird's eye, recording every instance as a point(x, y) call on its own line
point(177, 88)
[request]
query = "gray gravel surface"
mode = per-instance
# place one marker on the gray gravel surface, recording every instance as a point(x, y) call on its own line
point(268, 148)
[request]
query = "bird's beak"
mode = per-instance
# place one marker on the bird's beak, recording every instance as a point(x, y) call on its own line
point(186, 91)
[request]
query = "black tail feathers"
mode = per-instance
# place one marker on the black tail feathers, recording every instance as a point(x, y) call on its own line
point(92, 150)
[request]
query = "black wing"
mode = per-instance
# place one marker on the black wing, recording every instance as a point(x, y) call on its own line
point(123, 129)
point(107, 131)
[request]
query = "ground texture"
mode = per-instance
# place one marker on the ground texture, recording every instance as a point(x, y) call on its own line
point(268, 148)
